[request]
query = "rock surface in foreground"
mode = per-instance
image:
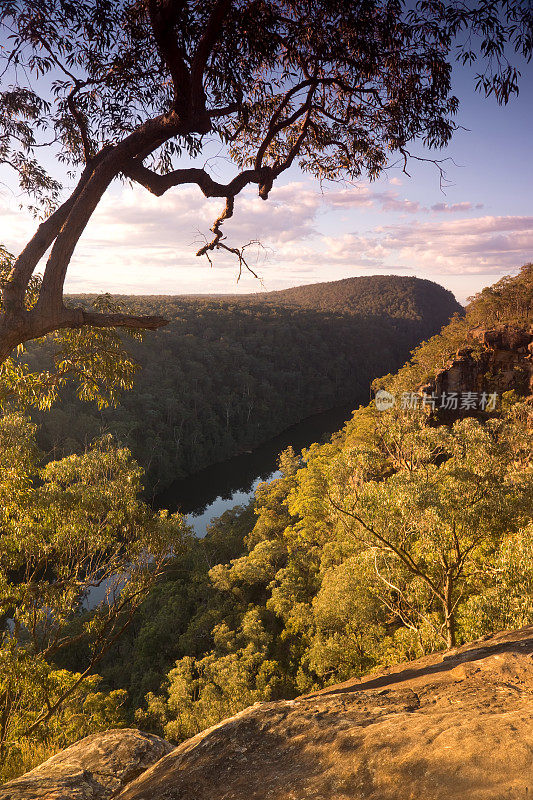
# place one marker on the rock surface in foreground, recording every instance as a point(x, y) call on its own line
point(95, 768)
point(454, 726)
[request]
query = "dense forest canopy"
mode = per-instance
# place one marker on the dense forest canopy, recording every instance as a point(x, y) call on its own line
point(228, 373)
point(391, 540)
point(135, 90)
point(397, 537)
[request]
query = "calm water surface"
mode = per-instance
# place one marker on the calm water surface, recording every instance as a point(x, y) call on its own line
point(209, 493)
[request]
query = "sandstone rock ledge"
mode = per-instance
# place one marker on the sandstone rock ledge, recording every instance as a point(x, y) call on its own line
point(505, 363)
point(451, 726)
point(95, 768)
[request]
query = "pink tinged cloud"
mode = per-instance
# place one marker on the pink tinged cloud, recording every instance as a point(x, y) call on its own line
point(455, 208)
point(136, 240)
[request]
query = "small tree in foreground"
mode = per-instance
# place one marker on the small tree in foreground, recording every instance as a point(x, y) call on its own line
point(436, 524)
point(94, 359)
point(127, 89)
point(78, 554)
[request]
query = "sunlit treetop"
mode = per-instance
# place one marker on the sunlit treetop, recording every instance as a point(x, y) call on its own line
point(95, 359)
point(136, 90)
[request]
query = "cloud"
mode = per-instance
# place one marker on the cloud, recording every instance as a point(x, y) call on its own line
point(455, 207)
point(139, 243)
point(184, 215)
point(390, 201)
point(361, 196)
point(16, 227)
point(488, 245)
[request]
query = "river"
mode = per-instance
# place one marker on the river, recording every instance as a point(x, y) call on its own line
point(213, 490)
point(210, 492)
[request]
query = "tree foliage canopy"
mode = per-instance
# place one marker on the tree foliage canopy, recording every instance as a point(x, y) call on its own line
point(397, 537)
point(127, 89)
point(73, 537)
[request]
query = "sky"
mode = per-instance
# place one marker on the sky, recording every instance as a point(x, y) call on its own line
point(464, 236)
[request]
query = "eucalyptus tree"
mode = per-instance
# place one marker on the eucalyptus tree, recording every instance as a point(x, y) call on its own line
point(434, 506)
point(133, 89)
point(79, 552)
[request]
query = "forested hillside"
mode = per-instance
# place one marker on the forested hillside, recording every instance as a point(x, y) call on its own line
point(230, 372)
point(402, 535)
point(394, 539)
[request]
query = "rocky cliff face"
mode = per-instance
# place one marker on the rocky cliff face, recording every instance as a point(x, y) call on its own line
point(499, 360)
point(452, 726)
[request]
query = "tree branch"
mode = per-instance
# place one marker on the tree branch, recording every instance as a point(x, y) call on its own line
point(81, 122)
point(205, 46)
point(159, 184)
point(164, 15)
point(274, 126)
point(15, 288)
point(78, 317)
point(140, 142)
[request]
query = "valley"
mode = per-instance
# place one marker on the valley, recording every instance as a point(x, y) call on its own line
point(229, 373)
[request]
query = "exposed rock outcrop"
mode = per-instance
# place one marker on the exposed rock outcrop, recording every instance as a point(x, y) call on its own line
point(454, 726)
point(499, 360)
point(95, 768)
point(450, 726)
